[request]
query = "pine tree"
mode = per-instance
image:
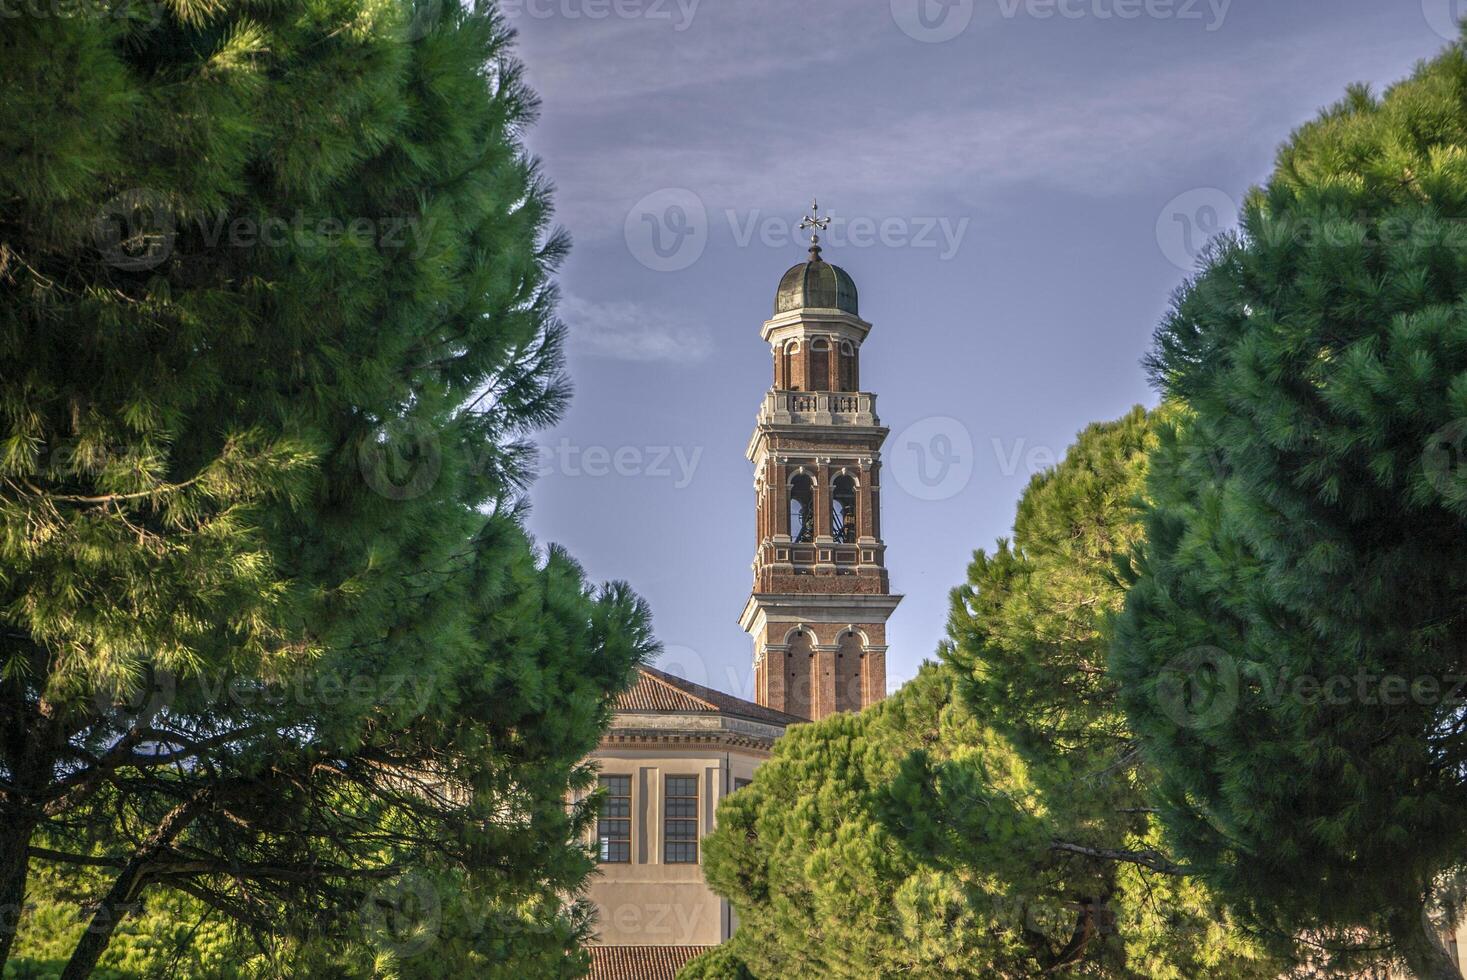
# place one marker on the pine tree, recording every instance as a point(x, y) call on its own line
point(989, 819)
point(1290, 649)
point(275, 314)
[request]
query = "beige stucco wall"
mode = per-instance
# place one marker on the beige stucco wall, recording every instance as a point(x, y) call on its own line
point(649, 902)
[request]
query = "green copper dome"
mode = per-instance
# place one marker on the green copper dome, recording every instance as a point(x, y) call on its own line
point(816, 284)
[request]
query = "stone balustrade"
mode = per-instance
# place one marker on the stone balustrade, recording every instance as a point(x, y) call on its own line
point(819, 408)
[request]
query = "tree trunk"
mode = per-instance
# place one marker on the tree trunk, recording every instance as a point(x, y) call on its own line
point(1426, 956)
point(14, 845)
point(118, 901)
point(29, 755)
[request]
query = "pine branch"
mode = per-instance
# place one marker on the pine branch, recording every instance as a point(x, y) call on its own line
point(1154, 860)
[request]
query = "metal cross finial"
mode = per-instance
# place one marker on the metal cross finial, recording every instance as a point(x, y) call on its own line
point(819, 224)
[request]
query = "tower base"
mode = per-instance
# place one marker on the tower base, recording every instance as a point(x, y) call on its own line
point(817, 654)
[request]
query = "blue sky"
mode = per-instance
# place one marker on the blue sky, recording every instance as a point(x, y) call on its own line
point(1018, 186)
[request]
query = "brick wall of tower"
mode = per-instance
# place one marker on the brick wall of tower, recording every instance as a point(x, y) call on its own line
point(823, 669)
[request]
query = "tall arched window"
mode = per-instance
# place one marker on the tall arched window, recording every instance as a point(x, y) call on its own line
point(791, 348)
point(820, 365)
point(843, 525)
point(800, 679)
point(802, 508)
point(847, 366)
point(848, 672)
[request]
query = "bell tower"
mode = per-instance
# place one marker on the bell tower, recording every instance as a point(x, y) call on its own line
point(821, 596)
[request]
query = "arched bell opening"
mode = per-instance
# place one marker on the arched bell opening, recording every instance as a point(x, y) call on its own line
point(802, 509)
point(843, 525)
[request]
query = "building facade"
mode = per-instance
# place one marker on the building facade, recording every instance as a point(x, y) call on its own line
point(675, 749)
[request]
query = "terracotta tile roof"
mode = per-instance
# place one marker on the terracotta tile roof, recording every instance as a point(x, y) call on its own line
point(640, 962)
point(656, 690)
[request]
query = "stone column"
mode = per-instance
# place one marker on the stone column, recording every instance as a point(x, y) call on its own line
point(776, 497)
point(875, 497)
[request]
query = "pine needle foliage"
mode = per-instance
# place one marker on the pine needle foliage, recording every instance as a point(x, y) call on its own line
point(276, 315)
point(1303, 568)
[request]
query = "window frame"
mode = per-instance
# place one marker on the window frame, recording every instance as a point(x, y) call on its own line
point(604, 841)
point(684, 846)
point(847, 366)
point(818, 377)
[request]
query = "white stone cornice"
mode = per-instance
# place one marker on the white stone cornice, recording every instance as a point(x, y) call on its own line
point(762, 608)
point(676, 724)
point(799, 324)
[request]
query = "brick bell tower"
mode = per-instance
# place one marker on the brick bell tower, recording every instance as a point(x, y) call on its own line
point(821, 595)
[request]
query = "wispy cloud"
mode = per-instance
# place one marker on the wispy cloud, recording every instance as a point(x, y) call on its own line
point(718, 133)
point(695, 45)
point(631, 331)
